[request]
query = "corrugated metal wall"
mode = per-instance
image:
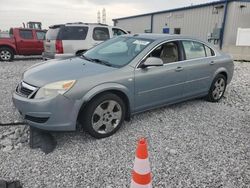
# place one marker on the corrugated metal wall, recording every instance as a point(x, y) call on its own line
point(135, 25)
point(193, 22)
point(237, 17)
point(198, 22)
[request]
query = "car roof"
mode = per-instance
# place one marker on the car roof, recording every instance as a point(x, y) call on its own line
point(165, 37)
point(153, 36)
point(31, 29)
point(79, 24)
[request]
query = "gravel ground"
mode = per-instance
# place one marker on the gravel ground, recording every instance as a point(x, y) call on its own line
point(191, 144)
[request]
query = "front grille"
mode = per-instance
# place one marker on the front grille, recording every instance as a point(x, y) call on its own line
point(26, 90)
point(36, 119)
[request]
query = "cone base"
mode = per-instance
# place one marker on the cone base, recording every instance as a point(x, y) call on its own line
point(136, 185)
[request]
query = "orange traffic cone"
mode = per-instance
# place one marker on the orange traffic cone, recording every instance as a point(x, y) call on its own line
point(141, 175)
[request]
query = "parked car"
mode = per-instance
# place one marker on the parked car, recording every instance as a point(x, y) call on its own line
point(21, 41)
point(71, 39)
point(120, 77)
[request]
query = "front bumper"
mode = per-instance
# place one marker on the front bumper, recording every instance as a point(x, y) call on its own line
point(53, 114)
point(49, 55)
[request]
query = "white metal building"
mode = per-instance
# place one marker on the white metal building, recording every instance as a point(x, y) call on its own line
point(217, 22)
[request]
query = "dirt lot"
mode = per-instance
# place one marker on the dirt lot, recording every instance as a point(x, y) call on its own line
point(192, 144)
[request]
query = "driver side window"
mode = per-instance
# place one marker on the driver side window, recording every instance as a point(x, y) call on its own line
point(168, 52)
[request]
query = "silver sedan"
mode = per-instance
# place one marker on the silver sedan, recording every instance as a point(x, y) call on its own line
point(118, 78)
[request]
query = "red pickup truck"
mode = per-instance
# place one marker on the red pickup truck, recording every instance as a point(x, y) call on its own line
point(21, 41)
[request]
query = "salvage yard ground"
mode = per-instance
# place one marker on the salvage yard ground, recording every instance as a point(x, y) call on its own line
point(191, 144)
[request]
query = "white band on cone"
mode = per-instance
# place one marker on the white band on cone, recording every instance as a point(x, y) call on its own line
point(136, 185)
point(141, 166)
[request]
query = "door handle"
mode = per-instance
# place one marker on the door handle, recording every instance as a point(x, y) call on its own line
point(178, 69)
point(212, 62)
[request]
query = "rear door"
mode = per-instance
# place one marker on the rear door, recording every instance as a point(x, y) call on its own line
point(27, 42)
point(199, 67)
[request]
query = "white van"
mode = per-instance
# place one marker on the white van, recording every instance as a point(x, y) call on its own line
point(71, 39)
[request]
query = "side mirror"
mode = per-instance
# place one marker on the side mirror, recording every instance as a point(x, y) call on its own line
point(152, 61)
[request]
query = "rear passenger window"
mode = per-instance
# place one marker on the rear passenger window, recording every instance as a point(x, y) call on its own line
point(26, 34)
point(193, 49)
point(209, 51)
point(73, 33)
point(40, 35)
point(118, 32)
point(101, 33)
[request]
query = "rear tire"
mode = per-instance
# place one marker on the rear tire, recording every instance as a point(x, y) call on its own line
point(217, 88)
point(103, 116)
point(6, 54)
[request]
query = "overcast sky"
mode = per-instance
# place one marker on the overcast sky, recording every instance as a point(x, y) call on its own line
point(14, 12)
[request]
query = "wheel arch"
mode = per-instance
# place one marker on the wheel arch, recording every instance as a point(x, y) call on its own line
point(10, 47)
point(224, 74)
point(116, 89)
point(222, 71)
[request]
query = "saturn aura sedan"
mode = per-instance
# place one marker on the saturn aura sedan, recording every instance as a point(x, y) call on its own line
point(118, 78)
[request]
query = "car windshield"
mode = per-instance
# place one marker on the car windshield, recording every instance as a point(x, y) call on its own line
point(117, 52)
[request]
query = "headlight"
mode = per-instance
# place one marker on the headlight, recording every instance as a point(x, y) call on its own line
point(54, 89)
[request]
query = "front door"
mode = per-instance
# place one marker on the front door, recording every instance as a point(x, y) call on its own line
point(164, 84)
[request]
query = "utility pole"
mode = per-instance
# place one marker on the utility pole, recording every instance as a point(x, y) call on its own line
point(98, 16)
point(103, 16)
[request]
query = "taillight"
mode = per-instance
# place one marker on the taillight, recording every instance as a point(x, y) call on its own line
point(59, 47)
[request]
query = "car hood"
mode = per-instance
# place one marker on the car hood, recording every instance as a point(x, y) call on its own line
point(58, 70)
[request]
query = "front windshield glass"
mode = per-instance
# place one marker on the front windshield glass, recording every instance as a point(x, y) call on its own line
point(118, 51)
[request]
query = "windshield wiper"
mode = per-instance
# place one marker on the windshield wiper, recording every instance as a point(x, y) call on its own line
point(87, 58)
point(102, 62)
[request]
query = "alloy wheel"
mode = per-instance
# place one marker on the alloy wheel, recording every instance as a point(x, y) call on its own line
point(219, 87)
point(5, 55)
point(106, 116)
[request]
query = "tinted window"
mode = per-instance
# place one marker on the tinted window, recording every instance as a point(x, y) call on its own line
point(177, 31)
point(118, 51)
point(117, 32)
point(52, 33)
point(209, 51)
point(194, 49)
point(101, 33)
point(40, 35)
point(73, 33)
point(26, 34)
point(168, 52)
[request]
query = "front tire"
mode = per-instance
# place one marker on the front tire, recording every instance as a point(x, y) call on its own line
point(103, 116)
point(6, 54)
point(217, 88)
